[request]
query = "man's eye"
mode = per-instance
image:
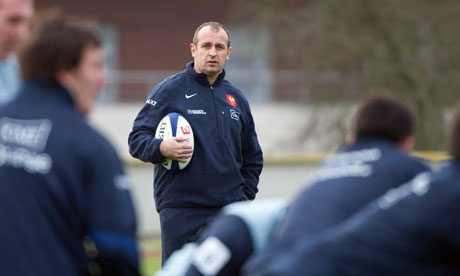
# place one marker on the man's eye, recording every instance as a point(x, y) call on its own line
point(15, 20)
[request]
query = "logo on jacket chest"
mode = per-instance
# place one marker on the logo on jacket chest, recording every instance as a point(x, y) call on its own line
point(235, 115)
point(188, 96)
point(231, 100)
point(196, 112)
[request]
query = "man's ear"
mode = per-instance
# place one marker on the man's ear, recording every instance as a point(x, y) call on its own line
point(193, 49)
point(407, 144)
point(63, 78)
point(228, 52)
point(66, 79)
point(350, 139)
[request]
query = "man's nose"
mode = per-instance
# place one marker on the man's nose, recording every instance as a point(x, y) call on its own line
point(104, 76)
point(21, 31)
point(213, 51)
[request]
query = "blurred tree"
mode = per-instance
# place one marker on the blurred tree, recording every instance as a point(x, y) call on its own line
point(344, 50)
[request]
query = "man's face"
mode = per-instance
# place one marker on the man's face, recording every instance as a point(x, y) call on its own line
point(211, 51)
point(86, 80)
point(14, 24)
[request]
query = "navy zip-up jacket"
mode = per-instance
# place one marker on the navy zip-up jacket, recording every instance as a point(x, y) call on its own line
point(411, 230)
point(60, 182)
point(227, 159)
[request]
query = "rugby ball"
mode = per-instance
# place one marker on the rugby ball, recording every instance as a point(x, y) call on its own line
point(175, 125)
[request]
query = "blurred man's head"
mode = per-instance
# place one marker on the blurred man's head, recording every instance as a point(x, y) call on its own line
point(385, 118)
point(66, 52)
point(454, 139)
point(14, 24)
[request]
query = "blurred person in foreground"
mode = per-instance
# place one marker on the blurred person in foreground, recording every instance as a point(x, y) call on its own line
point(227, 159)
point(61, 182)
point(14, 28)
point(375, 161)
point(410, 230)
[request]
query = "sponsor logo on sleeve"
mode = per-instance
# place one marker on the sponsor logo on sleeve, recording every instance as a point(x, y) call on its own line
point(151, 102)
point(419, 186)
point(211, 256)
point(122, 182)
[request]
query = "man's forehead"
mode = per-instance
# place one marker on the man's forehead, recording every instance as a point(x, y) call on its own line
point(3, 3)
point(209, 34)
point(16, 7)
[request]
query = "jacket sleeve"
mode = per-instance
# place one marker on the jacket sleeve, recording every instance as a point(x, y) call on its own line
point(142, 142)
point(117, 260)
point(252, 157)
point(110, 213)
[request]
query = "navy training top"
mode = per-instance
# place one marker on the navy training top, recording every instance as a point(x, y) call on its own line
point(60, 183)
point(227, 158)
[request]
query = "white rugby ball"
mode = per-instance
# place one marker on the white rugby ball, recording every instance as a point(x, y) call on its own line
point(175, 125)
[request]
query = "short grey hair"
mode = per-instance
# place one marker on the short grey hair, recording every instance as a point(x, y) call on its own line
point(214, 26)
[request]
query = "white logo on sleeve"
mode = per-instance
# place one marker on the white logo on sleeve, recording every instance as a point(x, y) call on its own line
point(418, 186)
point(211, 256)
point(122, 182)
point(151, 102)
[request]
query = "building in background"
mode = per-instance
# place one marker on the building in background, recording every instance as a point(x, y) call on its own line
point(147, 40)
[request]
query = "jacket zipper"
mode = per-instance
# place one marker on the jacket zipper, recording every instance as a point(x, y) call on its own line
point(216, 112)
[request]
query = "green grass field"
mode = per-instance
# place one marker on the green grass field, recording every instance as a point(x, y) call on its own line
point(150, 250)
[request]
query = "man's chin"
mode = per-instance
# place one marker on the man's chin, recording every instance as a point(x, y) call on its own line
point(8, 50)
point(212, 71)
point(4, 54)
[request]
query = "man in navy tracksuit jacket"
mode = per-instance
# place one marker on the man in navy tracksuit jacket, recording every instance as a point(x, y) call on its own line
point(411, 230)
point(347, 181)
point(61, 182)
point(227, 158)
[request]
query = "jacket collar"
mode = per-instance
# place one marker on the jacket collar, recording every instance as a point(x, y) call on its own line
point(201, 78)
point(34, 89)
point(371, 141)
